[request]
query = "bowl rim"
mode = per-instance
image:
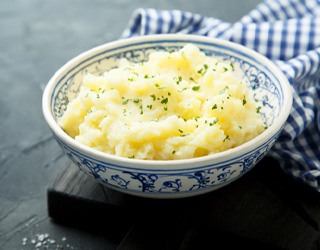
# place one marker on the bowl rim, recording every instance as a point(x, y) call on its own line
point(178, 163)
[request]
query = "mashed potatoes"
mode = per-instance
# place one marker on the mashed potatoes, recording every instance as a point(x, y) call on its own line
point(177, 105)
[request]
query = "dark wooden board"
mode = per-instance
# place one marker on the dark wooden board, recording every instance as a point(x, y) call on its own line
point(265, 209)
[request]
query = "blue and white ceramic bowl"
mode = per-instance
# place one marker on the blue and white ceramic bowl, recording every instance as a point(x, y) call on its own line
point(173, 178)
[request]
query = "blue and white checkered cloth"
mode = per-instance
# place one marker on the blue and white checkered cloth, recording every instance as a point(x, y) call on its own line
point(288, 33)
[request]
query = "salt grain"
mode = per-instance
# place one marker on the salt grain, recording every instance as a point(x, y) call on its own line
point(24, 241)
point(38, 244)
point(43, 241)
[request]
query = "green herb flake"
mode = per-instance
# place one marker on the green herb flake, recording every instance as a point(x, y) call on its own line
point(213, 122)
point(164, 100)
point(178, 79)
point(226, 138)
point(214, 107)
point(203, 70)
point(258, 109)
point(232, 66)
point(195, 88)
point(224, 90)
point(244, 100)
point(125, 102)
point(153, 96)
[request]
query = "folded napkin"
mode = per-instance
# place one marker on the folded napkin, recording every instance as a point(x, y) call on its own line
point(288, 33)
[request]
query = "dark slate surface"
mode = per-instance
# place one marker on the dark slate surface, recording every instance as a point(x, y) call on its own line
point(265, 209)
point(37, 37)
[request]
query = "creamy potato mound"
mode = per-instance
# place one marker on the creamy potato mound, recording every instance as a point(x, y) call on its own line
point(176, 105)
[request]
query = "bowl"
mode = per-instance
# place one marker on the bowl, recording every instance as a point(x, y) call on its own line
point(171, 178)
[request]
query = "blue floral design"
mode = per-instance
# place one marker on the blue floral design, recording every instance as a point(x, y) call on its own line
point(147, 180)
point(172, 186)
point(121, 182)
point(202, 178)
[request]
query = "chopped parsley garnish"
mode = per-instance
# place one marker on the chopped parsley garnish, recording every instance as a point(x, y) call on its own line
point(178, 79)
point(232, 66)
point(258, 109)
point(141, 109)
point(195, 88)
point(164, 100)
point(226, 138)
point(244, 100)
point(203, 70)
point(153, 97)
point(214, 107)
point(125, 101)
point(213, 122)
point(224, 90)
